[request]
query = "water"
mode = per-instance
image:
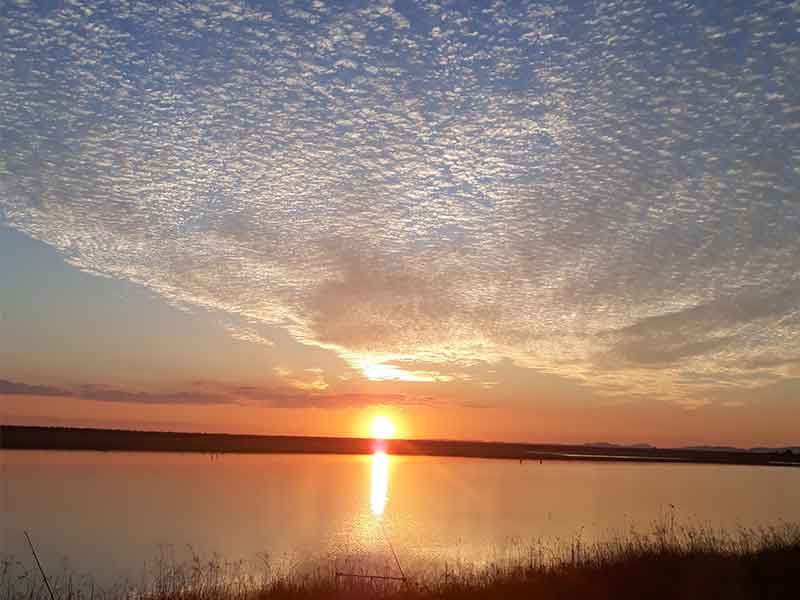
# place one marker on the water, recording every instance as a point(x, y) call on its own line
point(108, 514)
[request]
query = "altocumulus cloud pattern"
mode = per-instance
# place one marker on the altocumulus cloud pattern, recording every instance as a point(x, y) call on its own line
point(604, 190)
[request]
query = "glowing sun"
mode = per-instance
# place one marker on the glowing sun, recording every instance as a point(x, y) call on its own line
point(382, 428)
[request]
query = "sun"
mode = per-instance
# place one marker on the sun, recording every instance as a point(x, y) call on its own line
point(382, 428)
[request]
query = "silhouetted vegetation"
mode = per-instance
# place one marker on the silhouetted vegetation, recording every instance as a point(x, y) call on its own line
point(670, 562)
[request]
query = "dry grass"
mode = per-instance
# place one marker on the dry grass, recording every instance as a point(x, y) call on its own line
point(669, 562)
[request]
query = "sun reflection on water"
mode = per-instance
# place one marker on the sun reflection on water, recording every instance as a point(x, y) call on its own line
point(379, 485)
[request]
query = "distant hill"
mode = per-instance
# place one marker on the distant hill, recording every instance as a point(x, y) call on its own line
point(763, 450)
point(756, 450)
point(643, 446)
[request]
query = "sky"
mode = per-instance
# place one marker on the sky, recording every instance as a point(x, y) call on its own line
point(553, 221)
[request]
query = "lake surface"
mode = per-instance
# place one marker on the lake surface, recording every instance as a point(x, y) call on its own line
point(111, 514)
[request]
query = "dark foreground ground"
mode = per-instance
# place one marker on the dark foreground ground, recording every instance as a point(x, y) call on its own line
point(670, 563)
point(661, 575)
point(58, 438)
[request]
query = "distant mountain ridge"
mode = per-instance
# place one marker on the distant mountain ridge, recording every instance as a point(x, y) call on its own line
point(757, 449)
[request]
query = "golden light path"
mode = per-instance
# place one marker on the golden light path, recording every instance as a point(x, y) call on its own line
point(379, 488)
point(382, 429)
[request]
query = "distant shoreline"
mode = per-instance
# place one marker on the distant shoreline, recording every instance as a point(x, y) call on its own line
point(18, 437)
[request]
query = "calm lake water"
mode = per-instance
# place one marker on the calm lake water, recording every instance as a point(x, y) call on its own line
point(109, 514)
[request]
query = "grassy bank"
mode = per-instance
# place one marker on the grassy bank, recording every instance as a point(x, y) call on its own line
point(668, 562)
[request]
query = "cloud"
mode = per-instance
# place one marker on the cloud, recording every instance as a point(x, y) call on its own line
point(719, 314)
point(12, 388)
point(307, 379)
point(372, 302)
point(103, 393)
point(595, 193)
point(107, 394)
point(297, 394)
point(726, 342)
point(733, 404)
point(692, 404)
point(352, 400)
point(659, 350)
point(309, 396)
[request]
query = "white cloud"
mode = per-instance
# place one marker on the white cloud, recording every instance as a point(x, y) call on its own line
point(532, 191)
